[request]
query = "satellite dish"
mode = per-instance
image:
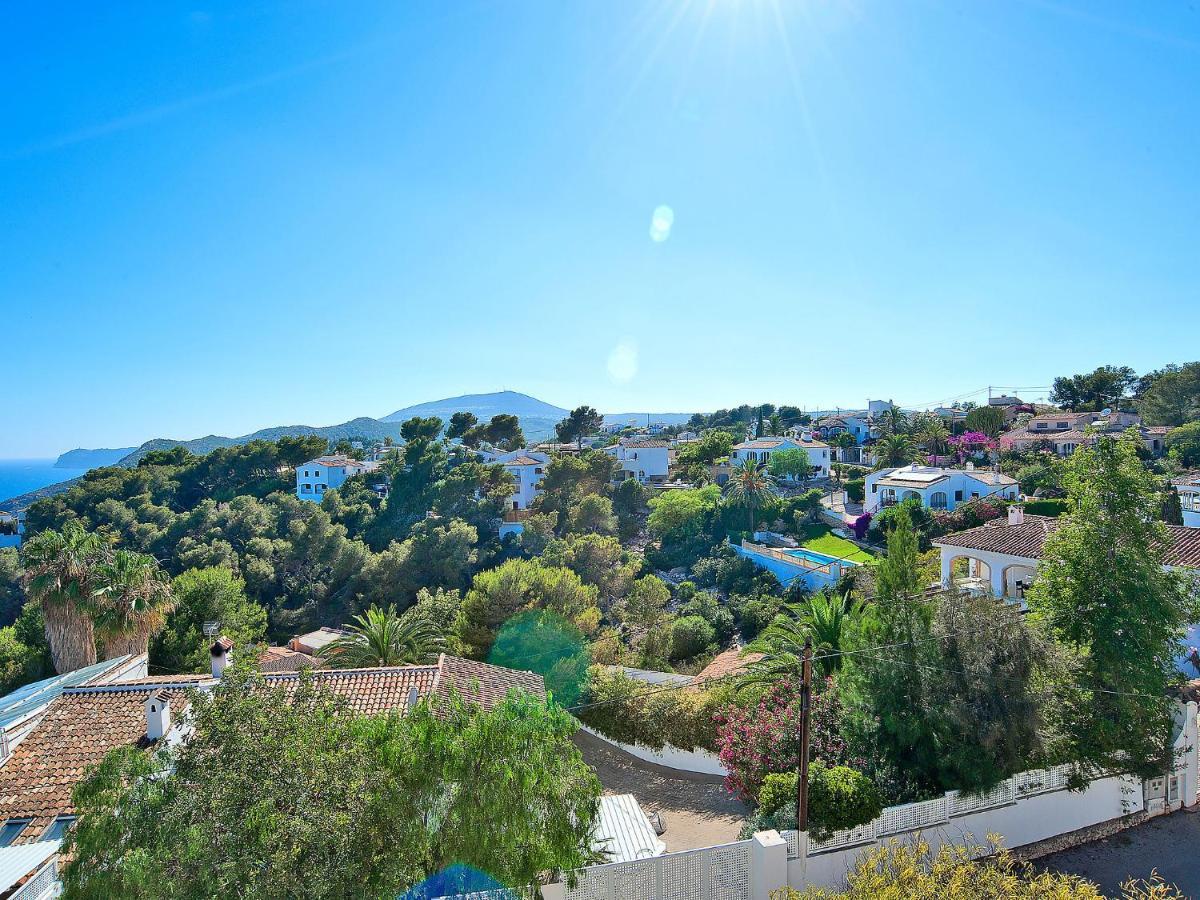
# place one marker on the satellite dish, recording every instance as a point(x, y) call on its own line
point(1106, 411)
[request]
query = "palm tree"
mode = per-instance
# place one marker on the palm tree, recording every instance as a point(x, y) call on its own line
point(823, 619)
point(749, 486)
point(894, 450)
point(59, 568)
point(893, 420)
point(776, 422)
point(132, 598)
point(380, 637)
point(933, 435)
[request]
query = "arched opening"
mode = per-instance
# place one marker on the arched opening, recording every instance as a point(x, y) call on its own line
point(970, 574)
point(937, 500)
point(910, 495)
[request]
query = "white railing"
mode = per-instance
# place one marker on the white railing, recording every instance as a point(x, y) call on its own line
point(940, 810)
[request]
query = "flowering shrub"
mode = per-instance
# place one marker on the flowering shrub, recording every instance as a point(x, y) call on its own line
point(968, 515)
point(753, 742)
point(971, 443)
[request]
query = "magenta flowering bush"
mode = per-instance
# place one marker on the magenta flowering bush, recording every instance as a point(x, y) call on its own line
point(756, 741)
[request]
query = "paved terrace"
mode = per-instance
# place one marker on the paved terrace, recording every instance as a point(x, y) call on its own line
point(696, 809)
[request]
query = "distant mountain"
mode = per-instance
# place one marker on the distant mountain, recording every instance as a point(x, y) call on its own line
point(484, 406)
point(363, 427)
point(91, 459)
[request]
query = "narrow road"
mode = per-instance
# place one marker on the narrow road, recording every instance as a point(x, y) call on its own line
point(1168, 844)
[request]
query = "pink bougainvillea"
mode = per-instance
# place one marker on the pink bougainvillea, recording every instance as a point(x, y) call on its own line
point(754, 742)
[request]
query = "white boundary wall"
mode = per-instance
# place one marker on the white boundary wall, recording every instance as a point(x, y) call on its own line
point(672, 757)
point(1018, 821)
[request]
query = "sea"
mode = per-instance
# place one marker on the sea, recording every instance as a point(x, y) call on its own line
point(20, 475)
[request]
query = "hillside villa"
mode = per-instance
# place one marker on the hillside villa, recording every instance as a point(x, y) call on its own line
point(759, 450)
point(649, 461)
point(325, 473)
point(1068, 431)
point(1002, 556)
point(1189, 499)
point(935, 487)
point(90, 714)
point(527, 468)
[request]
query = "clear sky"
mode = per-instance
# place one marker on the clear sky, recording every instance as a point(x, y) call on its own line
point(215, 218)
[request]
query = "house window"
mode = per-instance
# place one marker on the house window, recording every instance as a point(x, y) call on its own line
point(937, 500)
point(974, 495)
point(11, 830)
point(537, 471)
point(1041, 424)
point(58, 828)
point(958, 496)
point(306, 488)
point(320, 488)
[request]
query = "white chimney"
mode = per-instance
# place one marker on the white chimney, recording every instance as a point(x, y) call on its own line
point(158, 715)
point(221, 652)
point(1016, 515)
point(970, 467)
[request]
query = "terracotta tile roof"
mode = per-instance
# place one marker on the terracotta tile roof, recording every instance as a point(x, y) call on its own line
point(647, 445)
point(77, 731)
point(1026, 540)
point(998, 536)
point(85, 723)
point(730, 662)
point(284, 659)
point(523, 461)
point(483, 683)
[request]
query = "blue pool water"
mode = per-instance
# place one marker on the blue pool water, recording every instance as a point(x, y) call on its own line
point(817, 559)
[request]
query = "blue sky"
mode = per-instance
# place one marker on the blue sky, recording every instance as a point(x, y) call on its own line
point(215, 218)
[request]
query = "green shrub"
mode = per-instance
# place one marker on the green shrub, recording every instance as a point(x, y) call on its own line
point(690, 636)
point(856, 490)
point(838, 798)
point(634, 712)
point(1051, 507)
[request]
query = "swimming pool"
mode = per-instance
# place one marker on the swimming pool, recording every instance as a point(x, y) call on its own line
point(817, 559)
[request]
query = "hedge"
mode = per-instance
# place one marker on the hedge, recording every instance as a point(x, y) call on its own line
point(634, 712)
point(1053, 507)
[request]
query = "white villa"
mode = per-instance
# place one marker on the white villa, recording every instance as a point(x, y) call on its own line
point(1003, 555)
point(935, 487)
point(1189, 499)
point(325, 473)
point(647, 461)
point(527, 468)
point(760, 449)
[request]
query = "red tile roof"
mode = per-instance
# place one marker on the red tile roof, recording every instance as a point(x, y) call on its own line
point(77, 731)
point(730, 662)
point(85, 723)
point(1026, 540)
point(284, 659)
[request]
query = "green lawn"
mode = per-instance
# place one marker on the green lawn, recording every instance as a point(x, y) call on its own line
point(817, 537)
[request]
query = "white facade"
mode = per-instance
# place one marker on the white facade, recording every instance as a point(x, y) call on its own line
point(527, 468)
point(326, 473)
point(760, 450)
point(647, 461)
point(1189, 499)
point(935, 487)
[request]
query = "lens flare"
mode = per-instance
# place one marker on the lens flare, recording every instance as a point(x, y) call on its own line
point(661, 223)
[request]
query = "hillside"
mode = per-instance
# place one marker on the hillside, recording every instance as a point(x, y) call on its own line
point(363, 427)
point(91, 459)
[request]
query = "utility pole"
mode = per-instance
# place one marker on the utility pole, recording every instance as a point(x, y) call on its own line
point(805, 713)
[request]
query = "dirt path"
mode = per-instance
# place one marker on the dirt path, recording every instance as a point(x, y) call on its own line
point(697, 809)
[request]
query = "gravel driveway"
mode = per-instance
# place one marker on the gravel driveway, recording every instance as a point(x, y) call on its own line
point(1170, 844)
point(696, 809)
